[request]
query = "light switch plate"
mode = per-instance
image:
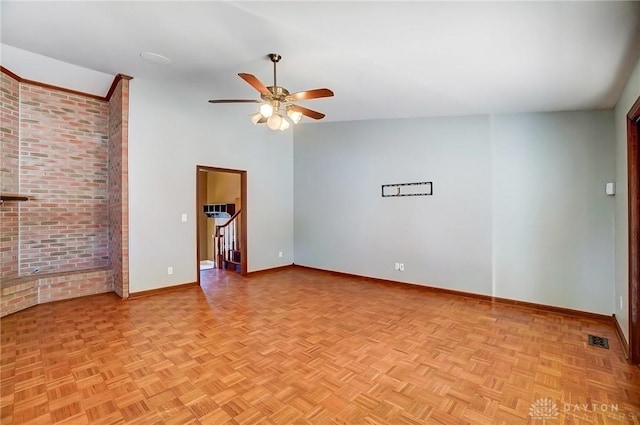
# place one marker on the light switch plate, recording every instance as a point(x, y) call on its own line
point(610, 189)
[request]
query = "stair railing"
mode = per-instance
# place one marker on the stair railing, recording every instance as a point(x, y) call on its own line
point(228, 242)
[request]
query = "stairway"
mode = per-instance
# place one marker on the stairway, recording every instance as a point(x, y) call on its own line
point(227, 241)
point(233, 260)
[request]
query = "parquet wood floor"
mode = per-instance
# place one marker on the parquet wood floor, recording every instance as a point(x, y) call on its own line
point(300, 346)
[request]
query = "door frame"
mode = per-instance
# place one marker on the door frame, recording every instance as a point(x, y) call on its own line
point(243, 222)
point(633, 181)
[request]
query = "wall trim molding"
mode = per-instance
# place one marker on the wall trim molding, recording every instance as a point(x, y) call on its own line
point(271, 270)
point(623, 341)
point(505, 301)
point(633, 254)
point(10, 74)
point(21, 80)
point(157, 291)
point(114, 85)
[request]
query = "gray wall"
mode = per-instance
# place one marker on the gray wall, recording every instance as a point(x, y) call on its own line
point(629, 96)
point(342, 223)
point(172, 129)
point(552, 221)
point(518, 210)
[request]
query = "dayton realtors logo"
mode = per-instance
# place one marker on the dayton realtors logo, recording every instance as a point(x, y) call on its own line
point(544, 409)
point(586, 411)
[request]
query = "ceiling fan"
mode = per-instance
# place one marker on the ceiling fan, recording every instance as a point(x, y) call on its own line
point(275, 97)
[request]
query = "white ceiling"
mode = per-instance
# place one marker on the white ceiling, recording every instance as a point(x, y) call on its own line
point(382, 59)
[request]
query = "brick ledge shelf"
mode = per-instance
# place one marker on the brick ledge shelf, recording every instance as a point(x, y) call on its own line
point(26, 291)
point(5, 197)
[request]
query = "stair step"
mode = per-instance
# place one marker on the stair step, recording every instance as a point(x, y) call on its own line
point(235, 256)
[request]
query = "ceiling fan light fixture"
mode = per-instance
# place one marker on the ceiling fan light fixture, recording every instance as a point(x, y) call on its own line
point(266, 110)
point(284, 125)
point(274, 122)
point(294, 115)
point(255, 118)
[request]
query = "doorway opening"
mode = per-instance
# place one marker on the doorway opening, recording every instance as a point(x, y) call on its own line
point(221, 225)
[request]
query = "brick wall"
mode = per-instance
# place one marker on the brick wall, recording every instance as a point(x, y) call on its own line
point(71, 285)
point(119, 187)
point(63, 170)
point(9, 160)
point(31, 290)
point(18, 296)
point(65, 152)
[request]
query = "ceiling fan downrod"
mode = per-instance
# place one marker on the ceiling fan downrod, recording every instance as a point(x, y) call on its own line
point(275, 58)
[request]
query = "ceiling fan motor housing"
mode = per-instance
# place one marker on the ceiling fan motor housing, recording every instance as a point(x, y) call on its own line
point(277, 93)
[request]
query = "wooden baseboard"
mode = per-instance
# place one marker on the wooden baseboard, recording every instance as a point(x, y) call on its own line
point(623, 341)
point(554, 309)
point(271, 270)
point(150, 292)
point(488, 298)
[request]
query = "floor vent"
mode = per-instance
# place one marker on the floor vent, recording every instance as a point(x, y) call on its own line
point(599, 341)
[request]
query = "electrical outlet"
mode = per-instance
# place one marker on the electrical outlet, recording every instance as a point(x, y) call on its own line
point(279, 254)
point(621, 304)
point(401, 267)
point(397, 267)
point(169, 270)
point(184, 218)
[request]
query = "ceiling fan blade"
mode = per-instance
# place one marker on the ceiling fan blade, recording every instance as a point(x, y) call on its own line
point(310, 94)
point(233, 101)
point(308, 112)
point(255, 83)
